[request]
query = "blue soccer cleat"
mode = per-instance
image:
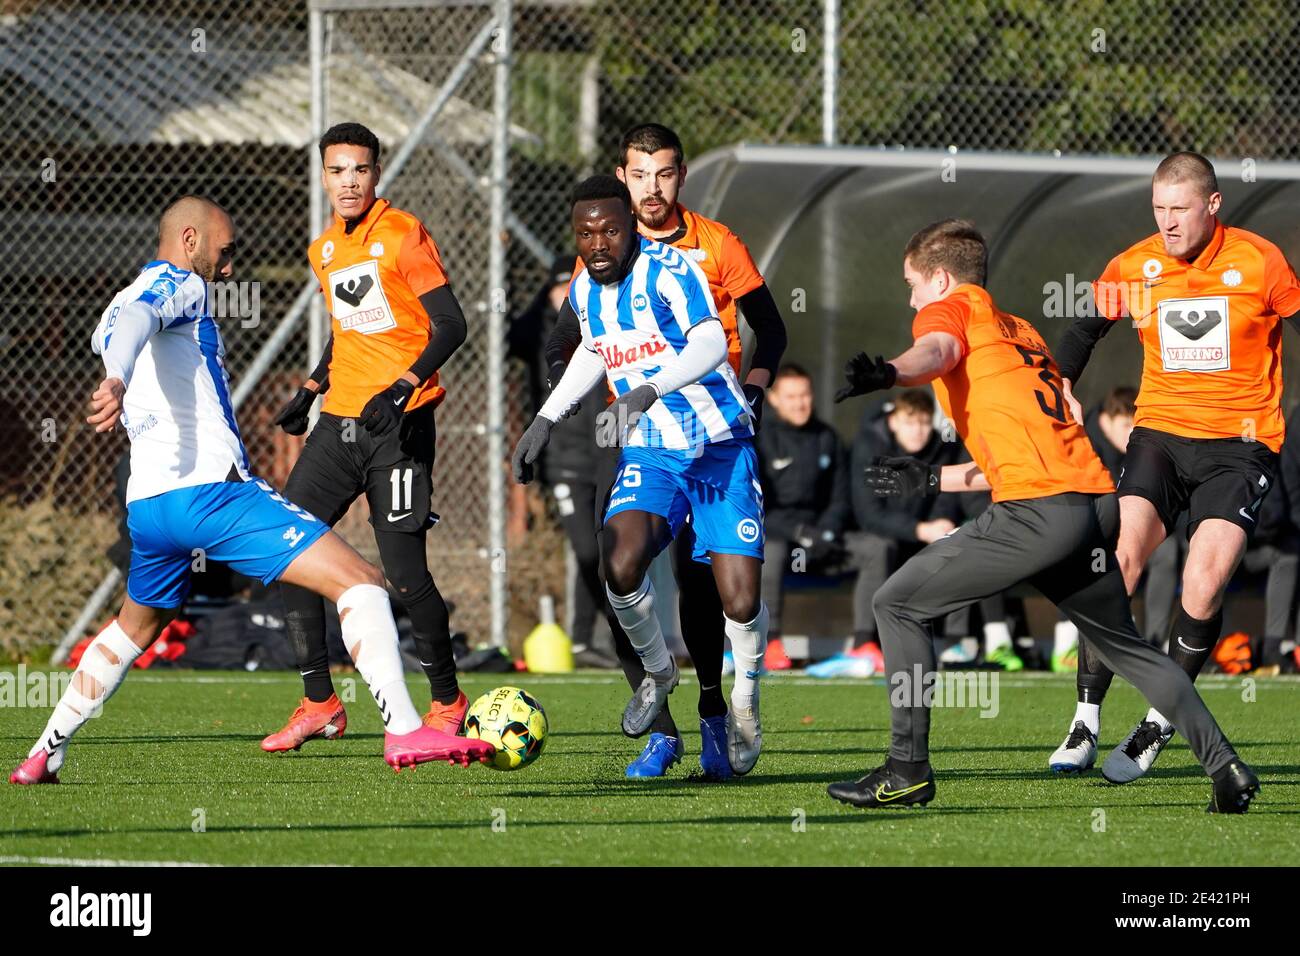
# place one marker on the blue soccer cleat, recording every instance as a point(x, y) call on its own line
point(660, 753)
point(713, 748)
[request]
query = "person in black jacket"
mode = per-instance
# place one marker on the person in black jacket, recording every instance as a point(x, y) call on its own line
point(804, 472)
point(891, 530)
point(575, 468)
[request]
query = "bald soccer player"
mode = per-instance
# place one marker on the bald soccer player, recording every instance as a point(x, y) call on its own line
point(191, 489)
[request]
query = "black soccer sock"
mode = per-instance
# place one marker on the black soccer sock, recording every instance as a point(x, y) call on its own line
point(700, 611)
point(431, 631)
point(304, 625)
point(864, 637)
point(912, 770)
point(406, 566)
point(1193, 640)
point(1093, 678)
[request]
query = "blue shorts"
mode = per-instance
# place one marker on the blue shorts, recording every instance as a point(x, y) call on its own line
point(245, 524)
point(716, 489)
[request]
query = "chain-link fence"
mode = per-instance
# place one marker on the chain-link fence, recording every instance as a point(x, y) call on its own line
point(109, 109)
point(424, 84)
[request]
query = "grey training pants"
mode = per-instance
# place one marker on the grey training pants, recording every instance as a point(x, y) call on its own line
point(1063, 546)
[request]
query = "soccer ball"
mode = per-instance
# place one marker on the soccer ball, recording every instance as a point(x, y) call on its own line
point(513, 722)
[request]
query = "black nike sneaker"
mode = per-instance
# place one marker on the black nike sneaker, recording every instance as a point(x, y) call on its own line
point(1234, 786)
point(884, 787)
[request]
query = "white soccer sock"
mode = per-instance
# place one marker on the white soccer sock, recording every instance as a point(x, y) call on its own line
point(996, 635)
point(1159, 718)
point(102, 667)
point(1090, 714)
point(370, 635)
point(1064, 637)
point(748, 644)
point(636, 612)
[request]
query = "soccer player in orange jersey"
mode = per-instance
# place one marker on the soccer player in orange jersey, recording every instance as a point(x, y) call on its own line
point(652, 166)
point(1052, 521)
point(1208, 302)
point(395, 322)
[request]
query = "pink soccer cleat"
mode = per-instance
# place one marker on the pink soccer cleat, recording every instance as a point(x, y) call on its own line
point(327, 720)
point(33, 770)
point(425, 744)
point(449, 718)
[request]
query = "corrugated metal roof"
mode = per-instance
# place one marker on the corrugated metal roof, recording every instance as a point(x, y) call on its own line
point(132, 78)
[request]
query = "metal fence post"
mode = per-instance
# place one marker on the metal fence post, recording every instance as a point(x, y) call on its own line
point(830, 71)
point(496, 321)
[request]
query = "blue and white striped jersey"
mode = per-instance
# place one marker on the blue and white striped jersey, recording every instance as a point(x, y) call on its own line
point(177, 412)
point(642, 320)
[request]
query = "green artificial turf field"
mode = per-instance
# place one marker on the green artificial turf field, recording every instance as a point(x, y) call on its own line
point(174, 751)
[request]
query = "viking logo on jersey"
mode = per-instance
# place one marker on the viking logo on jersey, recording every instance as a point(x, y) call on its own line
point(1194, 334)
point(359, 301)
point(353, 290)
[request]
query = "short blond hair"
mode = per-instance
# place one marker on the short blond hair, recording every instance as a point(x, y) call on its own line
point(1188, 167)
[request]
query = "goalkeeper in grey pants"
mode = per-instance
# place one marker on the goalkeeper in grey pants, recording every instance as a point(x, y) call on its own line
point(1053, 522)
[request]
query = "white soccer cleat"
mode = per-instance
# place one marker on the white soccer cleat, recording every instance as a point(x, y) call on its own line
point(1137, 753)
point(744, 737)
point(1077, 753)
point(648, 700)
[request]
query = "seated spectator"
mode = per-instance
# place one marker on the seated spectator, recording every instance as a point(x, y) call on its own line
point(574, 467)
point(891, 530)
point(803, 470)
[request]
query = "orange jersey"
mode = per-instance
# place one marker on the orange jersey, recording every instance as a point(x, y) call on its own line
point(1211, 333)
point(726, 264)
point(1004, 397)
point(372, 281)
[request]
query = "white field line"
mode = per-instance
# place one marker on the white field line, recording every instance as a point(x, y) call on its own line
point(75, 861)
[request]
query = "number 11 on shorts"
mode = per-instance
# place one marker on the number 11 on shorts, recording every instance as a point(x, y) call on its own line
point(401, 477)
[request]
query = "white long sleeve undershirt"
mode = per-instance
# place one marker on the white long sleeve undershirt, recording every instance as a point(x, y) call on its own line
point(706, 349)
point(584, 370)
point(132, 328)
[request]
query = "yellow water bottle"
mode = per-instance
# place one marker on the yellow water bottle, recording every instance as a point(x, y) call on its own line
point(547, 649)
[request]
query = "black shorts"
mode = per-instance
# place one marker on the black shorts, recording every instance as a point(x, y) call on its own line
point(341, 460)
point(1209, 477)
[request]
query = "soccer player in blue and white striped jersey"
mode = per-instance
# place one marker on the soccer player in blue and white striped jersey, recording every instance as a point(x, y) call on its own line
point(191, 494)
point(651, 329)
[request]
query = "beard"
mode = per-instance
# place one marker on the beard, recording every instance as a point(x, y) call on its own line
point(654, 219)
point(203, 266)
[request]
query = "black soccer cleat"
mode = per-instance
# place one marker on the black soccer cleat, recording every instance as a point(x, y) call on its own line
point(884, 787)
point(1234, 787)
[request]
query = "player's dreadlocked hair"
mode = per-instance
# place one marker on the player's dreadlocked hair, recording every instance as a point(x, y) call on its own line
point(350, 134)
point(649, 138)
point(602, 187)
point(955, 246)
point(1191, 168)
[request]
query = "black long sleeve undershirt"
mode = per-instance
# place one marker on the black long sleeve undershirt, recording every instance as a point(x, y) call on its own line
point(321, 373)
point(447, 331)
point(1076, 345)
point(765, 320)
